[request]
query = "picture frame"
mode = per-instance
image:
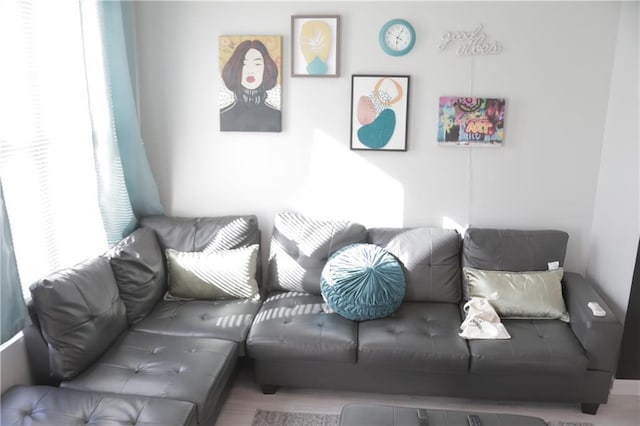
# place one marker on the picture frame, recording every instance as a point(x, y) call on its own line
point(250, 83)
point(471, 121)
point(379, 112)
point(315, 46)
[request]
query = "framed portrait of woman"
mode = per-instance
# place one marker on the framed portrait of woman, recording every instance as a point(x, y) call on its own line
point(250, 83)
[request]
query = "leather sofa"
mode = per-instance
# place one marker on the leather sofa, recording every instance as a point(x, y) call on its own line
point(295, 341)
point(103, 329)
point(111, 348)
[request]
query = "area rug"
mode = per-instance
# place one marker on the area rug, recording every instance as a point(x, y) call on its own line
point(281, 418)
point(569, 424)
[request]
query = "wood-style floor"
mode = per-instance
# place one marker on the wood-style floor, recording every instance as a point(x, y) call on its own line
point(245, 397)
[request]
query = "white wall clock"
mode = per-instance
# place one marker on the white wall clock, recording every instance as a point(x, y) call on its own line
point(397, 37)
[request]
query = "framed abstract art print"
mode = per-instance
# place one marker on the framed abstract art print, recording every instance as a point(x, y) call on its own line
point(379, 112)
point(315, 46)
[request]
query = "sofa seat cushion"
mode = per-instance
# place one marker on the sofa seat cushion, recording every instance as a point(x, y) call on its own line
point(297, 326)
point(47, 405)
point(221, 319)
point(536, 346)
point(172, 367)
point(419, 336)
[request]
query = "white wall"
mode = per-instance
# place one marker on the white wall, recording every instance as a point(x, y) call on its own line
point(14, 367)
point(616, 223)
point(554, 71)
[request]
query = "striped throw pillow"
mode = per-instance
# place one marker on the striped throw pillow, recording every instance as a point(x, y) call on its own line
point(225, 274)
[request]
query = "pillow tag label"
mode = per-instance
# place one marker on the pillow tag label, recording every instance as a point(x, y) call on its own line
point(553, 265)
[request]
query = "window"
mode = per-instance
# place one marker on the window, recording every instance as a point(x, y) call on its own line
point(47, 159)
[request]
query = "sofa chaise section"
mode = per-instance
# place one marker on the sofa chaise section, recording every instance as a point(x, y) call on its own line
point(227, 319)
point(106, 325)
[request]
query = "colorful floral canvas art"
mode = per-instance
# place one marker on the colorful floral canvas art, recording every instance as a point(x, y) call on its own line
point(471, 121)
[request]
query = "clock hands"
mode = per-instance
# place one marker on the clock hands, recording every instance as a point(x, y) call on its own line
point(398, 37)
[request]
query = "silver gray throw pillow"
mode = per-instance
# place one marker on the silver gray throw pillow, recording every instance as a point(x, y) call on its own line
point(536, 294)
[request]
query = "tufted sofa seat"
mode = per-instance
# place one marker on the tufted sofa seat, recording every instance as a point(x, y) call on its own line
point(221, 319)
point(294, 325)
point(47, 406)
point(172, 367)
point(417, 337)
point(298, 341)
point(103, 327)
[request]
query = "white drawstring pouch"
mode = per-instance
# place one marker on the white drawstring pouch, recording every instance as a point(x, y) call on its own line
point(482, 321)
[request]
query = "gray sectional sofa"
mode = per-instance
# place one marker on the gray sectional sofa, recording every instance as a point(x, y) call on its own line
point(103, 333)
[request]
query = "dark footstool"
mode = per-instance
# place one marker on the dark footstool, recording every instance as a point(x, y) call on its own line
point(386, 415)
point(47, 405)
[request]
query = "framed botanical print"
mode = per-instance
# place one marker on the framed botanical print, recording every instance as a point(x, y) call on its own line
point(315, 46)
point(250, 83)
point(379, 112)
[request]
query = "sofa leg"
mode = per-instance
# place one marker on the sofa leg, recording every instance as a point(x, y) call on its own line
point(589, 408)
point(268, 389)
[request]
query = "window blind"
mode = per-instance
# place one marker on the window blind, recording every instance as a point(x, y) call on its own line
point(46, 152)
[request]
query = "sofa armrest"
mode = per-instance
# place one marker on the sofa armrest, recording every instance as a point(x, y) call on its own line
point(599, 336)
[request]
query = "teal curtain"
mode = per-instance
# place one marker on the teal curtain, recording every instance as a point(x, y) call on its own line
point(115, 207)
point(119, 41)
point(13, 310)
point(126, 187)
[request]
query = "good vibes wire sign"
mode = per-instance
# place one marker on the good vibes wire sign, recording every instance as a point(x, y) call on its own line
point(470, 43)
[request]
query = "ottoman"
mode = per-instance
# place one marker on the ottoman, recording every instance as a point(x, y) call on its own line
point(386, 415)
point(46, 406)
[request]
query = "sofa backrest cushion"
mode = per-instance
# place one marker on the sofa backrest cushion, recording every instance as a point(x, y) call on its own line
point(80, 314)
point(206, 233)
point(513, 250)
point(301, 246)
point(196, 234)
point(430, 258)
point(139, 269)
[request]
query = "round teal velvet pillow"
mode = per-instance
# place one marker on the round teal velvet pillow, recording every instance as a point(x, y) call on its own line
point(362, 282)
